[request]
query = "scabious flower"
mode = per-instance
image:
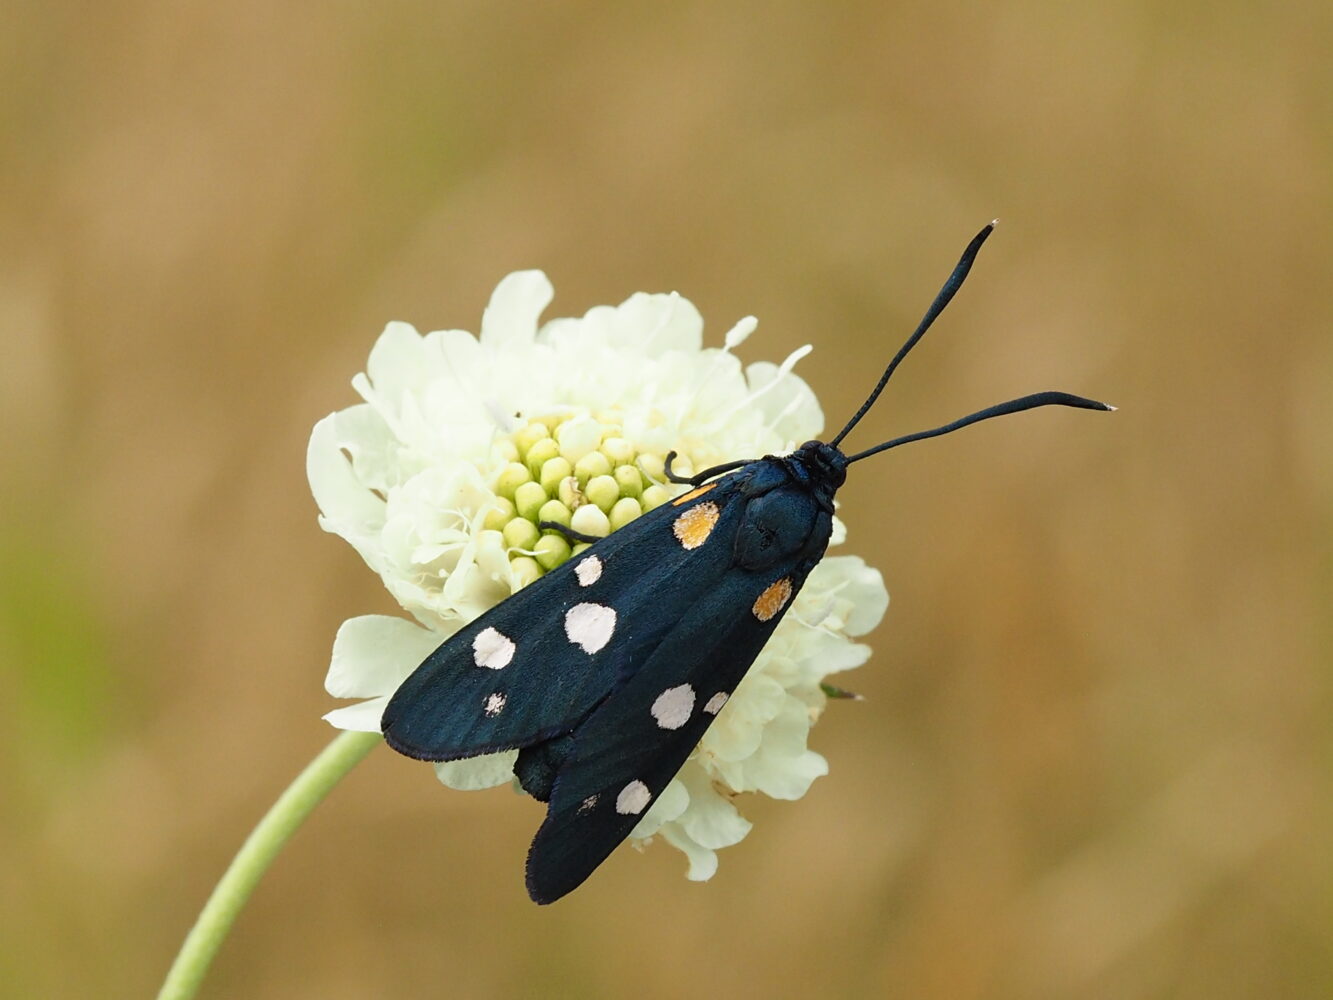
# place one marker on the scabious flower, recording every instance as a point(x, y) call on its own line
point(463, 444)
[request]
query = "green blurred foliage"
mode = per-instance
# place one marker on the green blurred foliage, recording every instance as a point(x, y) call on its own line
point(54, 640)
point(1094, 759)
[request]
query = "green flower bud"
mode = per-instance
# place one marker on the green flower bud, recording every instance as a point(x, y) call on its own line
point(592, 464)
point(499, 515)
point(588, 520)
point(527, 436)
point(569, 493)
point(552, 550)
point(521, 534)
point(554, 510)
point(618, 450)
point(623, 512)
point(653, 469)
point(528, 499)
point(512, 476)
point(553, 470)
point(603, 491)
point(490, 537)
point(505, 450)
point(655, 496)
point(578, 437)
point(628, 479)
point(525, 568)
point(540, 453)
point(582, 547)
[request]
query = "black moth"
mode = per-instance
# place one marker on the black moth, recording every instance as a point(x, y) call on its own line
point(607, 671)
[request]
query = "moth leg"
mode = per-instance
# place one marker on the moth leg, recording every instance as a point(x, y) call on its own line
point(570, 534)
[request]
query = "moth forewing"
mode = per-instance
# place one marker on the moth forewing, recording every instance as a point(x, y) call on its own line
point(536, 665)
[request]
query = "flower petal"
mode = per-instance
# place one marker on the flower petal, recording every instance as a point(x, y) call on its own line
point(398, 363)
point(373, 654)
point(789, 406)
point(363, 717)
point(488, 771)
point(712, 821)
point(341, 496)
point(671, 803)
point(659, 323)
point(372, 446)
point(782, 767)
point(839, 535)
point(864, 592)
point(703, 862)
point(740, 726)
point(516, 304)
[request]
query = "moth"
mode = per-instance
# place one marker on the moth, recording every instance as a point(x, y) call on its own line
point(606, 672)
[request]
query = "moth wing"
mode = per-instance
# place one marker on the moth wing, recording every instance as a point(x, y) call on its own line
point(522, 673)
point(630, 748)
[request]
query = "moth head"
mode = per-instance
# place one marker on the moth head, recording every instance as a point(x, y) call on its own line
point(826, 463)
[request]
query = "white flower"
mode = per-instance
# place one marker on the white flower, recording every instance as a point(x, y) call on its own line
point(437, 477)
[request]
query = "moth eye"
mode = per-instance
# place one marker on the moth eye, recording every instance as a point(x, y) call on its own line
point(772, 600)
point(694, 526)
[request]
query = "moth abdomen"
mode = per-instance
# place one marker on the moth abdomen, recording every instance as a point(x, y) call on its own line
point(538, 765)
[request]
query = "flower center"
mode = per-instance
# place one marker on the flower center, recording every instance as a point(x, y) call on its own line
point(578, 471)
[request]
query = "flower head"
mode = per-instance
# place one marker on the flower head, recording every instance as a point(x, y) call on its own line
point(463, 445)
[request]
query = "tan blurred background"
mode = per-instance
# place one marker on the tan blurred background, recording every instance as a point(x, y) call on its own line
point(1094, 759)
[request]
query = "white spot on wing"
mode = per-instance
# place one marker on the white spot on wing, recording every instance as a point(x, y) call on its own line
point(491, 649)
point(590, 626)
point(633, 799)
point(587, 804)
point(716, 702)
point(589, 571)
point(673, 707)
point(495, 704)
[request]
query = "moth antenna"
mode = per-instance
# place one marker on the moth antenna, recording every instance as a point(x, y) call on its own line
point(998, 410)
point(699, 477)
point(946, 294)
point(571, 536)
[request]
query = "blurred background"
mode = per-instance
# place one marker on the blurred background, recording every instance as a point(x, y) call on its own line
point(1094, 758)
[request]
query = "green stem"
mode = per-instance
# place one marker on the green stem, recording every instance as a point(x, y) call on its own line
point(256, 854)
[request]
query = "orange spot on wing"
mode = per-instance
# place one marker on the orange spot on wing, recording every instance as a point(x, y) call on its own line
point(772, 600)
point(694, 526)
point(698, 492)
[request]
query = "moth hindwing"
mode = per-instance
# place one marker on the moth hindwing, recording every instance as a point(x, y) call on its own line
point(606, 672)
